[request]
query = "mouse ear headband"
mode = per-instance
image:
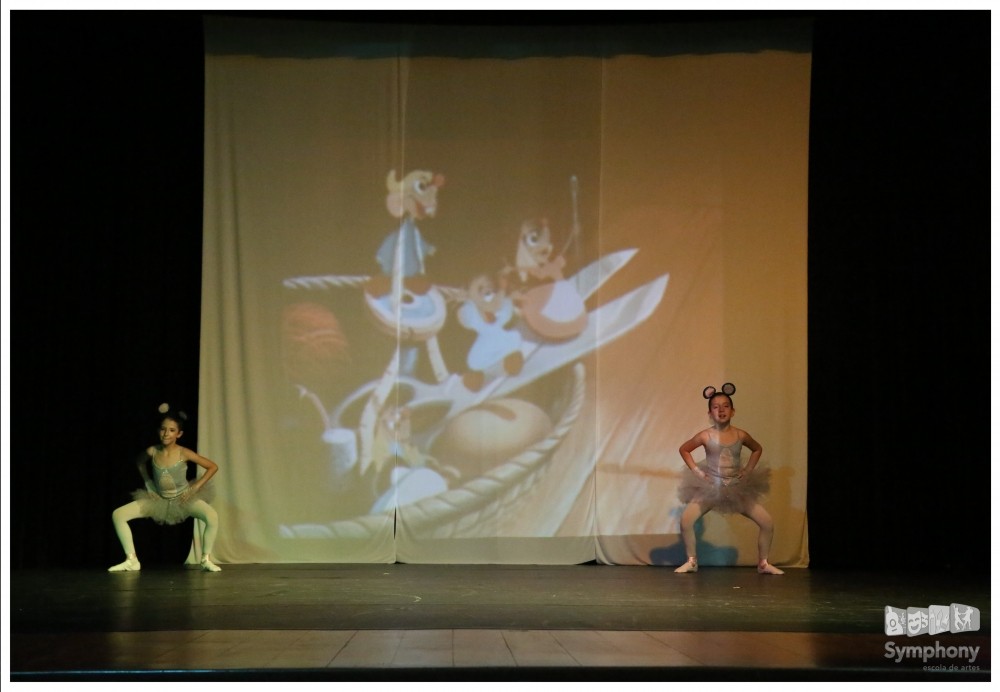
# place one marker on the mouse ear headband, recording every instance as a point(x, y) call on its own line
point(728, 389)
point(165, 408)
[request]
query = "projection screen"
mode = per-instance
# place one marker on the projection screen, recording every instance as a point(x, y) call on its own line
point(463, 288)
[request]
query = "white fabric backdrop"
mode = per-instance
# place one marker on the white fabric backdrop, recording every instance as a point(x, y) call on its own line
point(690, 170)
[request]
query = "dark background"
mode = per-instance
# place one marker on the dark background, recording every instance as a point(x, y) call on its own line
point(105, 197)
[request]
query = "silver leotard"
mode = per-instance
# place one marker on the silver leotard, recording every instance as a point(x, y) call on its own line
point(721, 489)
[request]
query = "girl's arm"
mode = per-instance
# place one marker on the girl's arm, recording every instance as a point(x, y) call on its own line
point(141, 462)
point(210, 468)
point(686, 449)
point(755, 451)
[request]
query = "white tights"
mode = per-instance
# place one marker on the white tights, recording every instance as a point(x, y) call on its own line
point(199, 509)
point(695, 510)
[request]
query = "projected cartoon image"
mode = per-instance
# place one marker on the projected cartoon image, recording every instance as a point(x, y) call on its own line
point(487, 310)
point(448, 446)
point(549, 304)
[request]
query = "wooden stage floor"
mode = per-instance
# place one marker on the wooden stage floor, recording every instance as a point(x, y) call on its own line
point(485, 622)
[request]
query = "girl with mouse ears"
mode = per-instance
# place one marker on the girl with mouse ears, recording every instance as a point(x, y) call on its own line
point(168, 496)
point(722, 482)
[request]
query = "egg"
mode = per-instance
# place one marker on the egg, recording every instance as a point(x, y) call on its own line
point(489, 434)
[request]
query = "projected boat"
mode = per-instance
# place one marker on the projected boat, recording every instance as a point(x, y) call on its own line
point(456, 451)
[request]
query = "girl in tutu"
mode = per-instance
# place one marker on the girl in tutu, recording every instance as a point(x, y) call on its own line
point(722, 482)
point(168, 497)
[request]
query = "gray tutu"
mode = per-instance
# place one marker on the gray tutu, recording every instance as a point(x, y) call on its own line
point(735, 498)
point(165, 510)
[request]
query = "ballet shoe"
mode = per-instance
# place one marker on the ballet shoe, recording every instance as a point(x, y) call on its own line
point(208, 566)
point(690, 566)
point(766, 567)
point(130, 565)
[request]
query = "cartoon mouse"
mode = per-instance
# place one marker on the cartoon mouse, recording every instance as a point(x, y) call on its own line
point(403, 300)
point(487, 310)
point(403, 251)
point(547, 302)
